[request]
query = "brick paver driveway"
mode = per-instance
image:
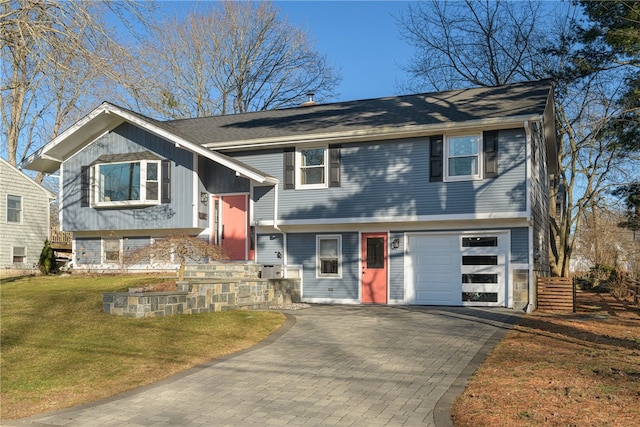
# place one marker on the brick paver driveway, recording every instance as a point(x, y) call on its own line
point(328, 365)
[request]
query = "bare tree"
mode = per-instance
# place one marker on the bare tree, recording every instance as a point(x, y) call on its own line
point(234, 57)
point(53, 56)
point(179, 249)
point(602, 242)
point(476, 43)
point(458, 44)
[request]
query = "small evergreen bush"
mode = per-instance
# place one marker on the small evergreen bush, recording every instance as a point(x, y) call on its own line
point(47, 261)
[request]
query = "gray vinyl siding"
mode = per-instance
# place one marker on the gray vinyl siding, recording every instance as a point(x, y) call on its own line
point(218, 179)
point(301, 249)
point(89, 251)
point(33, 229)
point(133, 244)
point(264, 198)
point(540, 191)
point(267, 248)
point(391, 179)
point(520, 245)
point(129, 139)
point(396, 267)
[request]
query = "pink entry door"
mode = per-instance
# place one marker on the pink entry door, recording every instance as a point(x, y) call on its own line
point(374, 268)
point(233, 232)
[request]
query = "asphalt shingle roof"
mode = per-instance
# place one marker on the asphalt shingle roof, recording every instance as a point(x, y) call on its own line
point(519, 99)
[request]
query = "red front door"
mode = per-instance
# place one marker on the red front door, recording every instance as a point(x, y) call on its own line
point(234, 229)
point(374, 268)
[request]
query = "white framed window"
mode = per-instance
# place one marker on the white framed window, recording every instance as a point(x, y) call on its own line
point(111, 250)
point(329, 256)
point(462, 157)
point(311, 167)
point(19, 255)
point(127, 183)
point(14, 209)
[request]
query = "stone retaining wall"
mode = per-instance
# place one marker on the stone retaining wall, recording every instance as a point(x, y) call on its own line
point(203, 296)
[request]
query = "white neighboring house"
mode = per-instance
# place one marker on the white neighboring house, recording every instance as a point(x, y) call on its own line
point(24, 221)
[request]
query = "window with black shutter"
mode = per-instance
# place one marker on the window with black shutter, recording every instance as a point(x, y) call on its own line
point(166, 182)
point(85, 186)
point(490, 140)
point(335, 161)
point(289, 168)
point(435, 158)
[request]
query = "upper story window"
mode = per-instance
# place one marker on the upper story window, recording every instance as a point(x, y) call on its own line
point(462, 157)
point(14, 209)
point(309, 168)
point(131, 179)
point(312, 168)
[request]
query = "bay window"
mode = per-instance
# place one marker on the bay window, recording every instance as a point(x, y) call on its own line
point(130, 179)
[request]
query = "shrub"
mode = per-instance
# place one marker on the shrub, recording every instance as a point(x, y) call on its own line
point(47, 263)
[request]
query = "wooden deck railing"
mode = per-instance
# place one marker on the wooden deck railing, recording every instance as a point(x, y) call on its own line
point(60, 237)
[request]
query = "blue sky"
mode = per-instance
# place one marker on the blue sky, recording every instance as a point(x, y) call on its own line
point(359, 38)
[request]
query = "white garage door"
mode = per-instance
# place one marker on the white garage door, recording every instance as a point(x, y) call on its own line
point(456, 269)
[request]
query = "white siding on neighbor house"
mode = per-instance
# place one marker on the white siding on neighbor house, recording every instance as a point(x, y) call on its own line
point(31, 232)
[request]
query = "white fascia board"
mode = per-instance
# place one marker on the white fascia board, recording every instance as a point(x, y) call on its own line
point(51, 155)
point(46, 160)
point(409, 219)
point(436, 222)
point(194, 148)
point(379, 133)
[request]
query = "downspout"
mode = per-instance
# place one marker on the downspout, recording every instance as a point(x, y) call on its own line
point(276, 226)
point(528, 149)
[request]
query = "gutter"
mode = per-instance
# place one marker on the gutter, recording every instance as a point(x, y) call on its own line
point(379, 133)
point(277, 226)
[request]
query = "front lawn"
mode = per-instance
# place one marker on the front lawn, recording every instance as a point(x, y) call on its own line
point(59, 349)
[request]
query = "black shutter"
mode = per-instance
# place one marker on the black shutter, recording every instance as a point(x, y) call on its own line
point(166, 182)
point(435, 158)
point(335, 161)
point(85, 186)
point(289, 168)
point(490, 141)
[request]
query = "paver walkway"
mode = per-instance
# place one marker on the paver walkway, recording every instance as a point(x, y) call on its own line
point(328, 365)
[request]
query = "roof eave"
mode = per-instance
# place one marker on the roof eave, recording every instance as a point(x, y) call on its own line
point(107, 117)
point(376, 134)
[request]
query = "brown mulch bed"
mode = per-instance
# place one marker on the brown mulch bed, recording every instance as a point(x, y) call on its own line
point(561, 369)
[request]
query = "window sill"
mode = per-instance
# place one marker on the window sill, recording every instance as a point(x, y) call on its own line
point(128, 204)
point(312, 187)
point(462, 178)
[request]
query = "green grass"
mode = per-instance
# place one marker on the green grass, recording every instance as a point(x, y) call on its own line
point(59, 349)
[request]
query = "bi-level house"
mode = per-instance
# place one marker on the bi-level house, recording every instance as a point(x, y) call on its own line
point(433, 199)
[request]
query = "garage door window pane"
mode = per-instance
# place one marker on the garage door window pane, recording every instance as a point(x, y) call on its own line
point(479, 297)
point(480, 278)
point(480, 260)
point(478, 242)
